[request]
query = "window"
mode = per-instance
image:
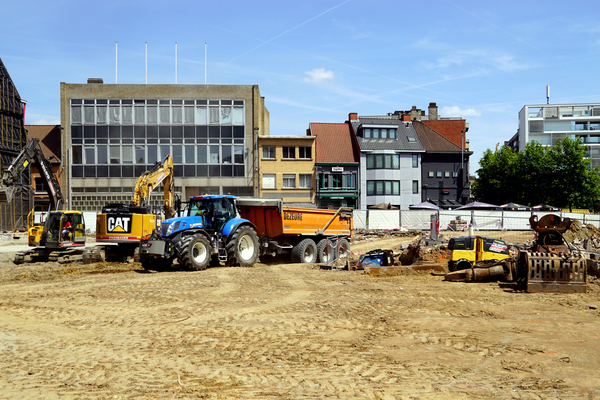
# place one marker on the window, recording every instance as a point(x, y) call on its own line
point(455, 174)
point(289, 181)
point(430, 174)
point(140, 153)
point(304, 152)
point(238, 154)
point(415, 187)
point(268, 181)
point(269, 152)
point(447, 174)
point(305, 181)
point(415, 160)
point(39, 185)
point(383, 161)
point(439, 174)
point(367, 133)
point(289, 152)
point(382, 188)
point(411, 139)
point(115, 154)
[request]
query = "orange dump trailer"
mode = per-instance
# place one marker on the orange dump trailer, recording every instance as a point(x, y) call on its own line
point(308, 234)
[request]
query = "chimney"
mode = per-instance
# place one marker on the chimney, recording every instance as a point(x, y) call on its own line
point(433, 112)
point(405, 117)
point(95, 80)
point(415, 113)
point(353, 117)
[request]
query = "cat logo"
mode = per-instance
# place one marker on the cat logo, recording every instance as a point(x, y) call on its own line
point(118, 223)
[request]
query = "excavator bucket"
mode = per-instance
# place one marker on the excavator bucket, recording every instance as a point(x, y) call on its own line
point(6, 194)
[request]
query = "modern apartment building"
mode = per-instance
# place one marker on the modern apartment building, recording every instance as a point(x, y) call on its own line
point(287, 169)
point(546, 123)
point(114, 132)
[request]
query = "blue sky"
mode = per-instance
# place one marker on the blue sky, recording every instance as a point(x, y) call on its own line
point(317, 61)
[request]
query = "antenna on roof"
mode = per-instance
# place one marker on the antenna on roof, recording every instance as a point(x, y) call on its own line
point(547, 94)
point(205, 63)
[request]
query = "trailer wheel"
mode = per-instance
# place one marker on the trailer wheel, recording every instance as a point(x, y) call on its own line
point(195, 252)
point(305, 252)
point(325, 252)
point(344, 248)
point(242, 248)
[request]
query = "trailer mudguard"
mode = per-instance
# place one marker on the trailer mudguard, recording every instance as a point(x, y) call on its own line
point(232, 225)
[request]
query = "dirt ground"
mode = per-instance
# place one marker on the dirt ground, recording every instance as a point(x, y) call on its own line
point(288, 331)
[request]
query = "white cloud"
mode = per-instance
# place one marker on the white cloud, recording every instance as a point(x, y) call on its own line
point(45, 121)
point(318, 75)
point(456, 111)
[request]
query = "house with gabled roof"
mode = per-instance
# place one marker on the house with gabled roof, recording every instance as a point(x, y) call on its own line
point(444, 169)
point(390, 160)
point(337, 165)
point(49, 137)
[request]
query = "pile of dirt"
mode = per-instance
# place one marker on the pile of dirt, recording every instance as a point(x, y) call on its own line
point(587, 235)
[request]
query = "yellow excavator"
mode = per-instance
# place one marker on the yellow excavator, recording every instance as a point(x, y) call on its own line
point(62, 236)
point(121, 227)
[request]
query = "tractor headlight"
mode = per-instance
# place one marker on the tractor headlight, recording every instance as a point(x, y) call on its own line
point(169, 230)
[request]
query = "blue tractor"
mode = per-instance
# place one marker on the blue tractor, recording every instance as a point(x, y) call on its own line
point(210, 231)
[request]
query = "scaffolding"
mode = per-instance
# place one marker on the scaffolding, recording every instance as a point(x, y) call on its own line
point(13, 137)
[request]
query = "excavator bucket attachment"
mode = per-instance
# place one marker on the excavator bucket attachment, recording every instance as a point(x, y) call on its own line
point(6, 194)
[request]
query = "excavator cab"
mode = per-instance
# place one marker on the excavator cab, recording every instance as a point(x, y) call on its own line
point(64, 229)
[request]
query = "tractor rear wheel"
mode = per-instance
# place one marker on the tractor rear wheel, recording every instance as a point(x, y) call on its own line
point(195, 252)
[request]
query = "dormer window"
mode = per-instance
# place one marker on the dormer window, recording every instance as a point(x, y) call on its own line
point(411, 139)
point(379, 133)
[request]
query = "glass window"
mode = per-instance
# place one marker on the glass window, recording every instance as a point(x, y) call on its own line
point(384, 133)
point(289, 181)
point(304, 152)
point(455, 174)
point(201, 116)
point(76, 114)
point(225, 115)
point(140, 154)
point(127, 114)
point(379, 187)
point(238, 154)
point(289, 152)
point(114, 114)
point(238, 116)
point(177, 114)
point(213, 115)
point(268, 181)
point(370, 187)
point(90, 155)
point(415, 160)
point(190, 155)
point(430, 174)
point(269, 152)
point(379, 161)
point(177, 154)
point(101, 114)
point(77, 155)
point(102, 154)
point(396, 187)
point(152, 114)
point(350, 181)
point(164, 150)
point(415, 187)
point(165, 115)
point(388, 161)
point(375, 133)
point(152, 154)
point(305, 181)
point(214, 155)
point(140, 115)
point(127, 154)
point(202, 155)
point(370, 161)
point(367, 133)
point(438, 174)
point(392, 133)
point(226, 153)
point(115, 154)
point(188, 115)
point(447, 174)
point(88, 115)
point(388, 187)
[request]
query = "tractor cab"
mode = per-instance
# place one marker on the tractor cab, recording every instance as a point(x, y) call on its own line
point(215, 210)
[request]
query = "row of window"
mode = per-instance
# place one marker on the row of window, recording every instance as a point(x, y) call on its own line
point(269, 181)
point(334, 181)
point(438, 174)
point(149, 132)
point(287, 152)
point(387, 188)
point(180, 171)
point(142, 154)
point(379, 133)
point(388, 161)
point(148, 112)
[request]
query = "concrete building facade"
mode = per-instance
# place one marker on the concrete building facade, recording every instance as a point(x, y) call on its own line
point(546, 123)
point(287, 169)
point(113, 133)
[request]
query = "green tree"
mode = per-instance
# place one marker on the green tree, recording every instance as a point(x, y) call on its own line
point(559, 175)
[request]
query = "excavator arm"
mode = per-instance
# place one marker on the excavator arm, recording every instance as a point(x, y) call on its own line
point(32, 152)
point(161, 172)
